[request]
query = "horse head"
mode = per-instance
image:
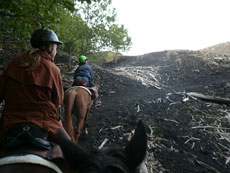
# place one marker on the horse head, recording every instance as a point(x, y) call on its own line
point(109, 159)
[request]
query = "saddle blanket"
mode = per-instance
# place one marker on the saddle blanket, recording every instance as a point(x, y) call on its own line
point(79, 87)
point(29, 158)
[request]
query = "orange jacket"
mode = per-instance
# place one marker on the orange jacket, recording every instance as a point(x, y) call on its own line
point(31, 96)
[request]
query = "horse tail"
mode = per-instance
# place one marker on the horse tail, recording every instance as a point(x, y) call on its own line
point(68, 104)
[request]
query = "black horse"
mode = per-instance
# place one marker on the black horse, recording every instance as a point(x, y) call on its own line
point(111, 159)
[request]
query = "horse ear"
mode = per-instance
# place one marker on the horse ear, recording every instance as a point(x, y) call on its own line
point(74, 154)
point(137, 146)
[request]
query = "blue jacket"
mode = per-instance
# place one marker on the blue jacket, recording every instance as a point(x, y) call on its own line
point(86, 73)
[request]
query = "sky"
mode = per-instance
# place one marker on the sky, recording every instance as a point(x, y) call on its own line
point(158, 25)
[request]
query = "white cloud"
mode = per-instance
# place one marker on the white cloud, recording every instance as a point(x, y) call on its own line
point(156, 25)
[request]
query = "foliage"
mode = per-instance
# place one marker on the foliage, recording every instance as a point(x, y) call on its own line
point(119, 38)
point(70, 32)
point(104, 57)
point(19, 18)
point(97, 16)
point(85, 26)
point(100, 18)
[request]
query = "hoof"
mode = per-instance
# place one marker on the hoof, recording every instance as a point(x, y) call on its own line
point(86, 132)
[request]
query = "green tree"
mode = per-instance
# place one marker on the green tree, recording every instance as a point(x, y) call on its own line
point(18, 18)
point(71, 32)
point(119, 38)
point(84, 26)
point(100, 18)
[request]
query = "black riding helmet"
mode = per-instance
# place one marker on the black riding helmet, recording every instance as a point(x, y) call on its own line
point(42, 37)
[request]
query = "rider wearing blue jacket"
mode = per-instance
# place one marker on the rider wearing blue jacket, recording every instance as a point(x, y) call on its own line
point(84, 73)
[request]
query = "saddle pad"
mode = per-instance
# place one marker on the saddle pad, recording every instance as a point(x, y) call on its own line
point(31, 159)
point(54, 153)
point(79, 87)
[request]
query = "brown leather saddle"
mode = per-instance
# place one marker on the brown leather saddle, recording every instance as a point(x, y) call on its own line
point(29, 138)
point(92, 89)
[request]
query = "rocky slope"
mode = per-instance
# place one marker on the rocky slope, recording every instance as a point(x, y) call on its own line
point(185, 134)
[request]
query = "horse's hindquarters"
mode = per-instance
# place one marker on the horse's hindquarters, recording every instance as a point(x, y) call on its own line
point(78, 100)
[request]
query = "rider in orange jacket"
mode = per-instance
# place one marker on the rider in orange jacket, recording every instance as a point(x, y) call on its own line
point(31, 87)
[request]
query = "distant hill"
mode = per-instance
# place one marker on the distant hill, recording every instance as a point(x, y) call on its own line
point(220, 49)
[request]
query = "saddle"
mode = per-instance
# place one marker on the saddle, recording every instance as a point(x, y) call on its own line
point(81, 83)
point(92, 89)
point(29, 138)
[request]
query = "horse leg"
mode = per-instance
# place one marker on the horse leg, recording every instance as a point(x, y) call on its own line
point(79, 126)
point(86, 123)
point(80, 108)
point(68, 103)
point(86, 119)
point(68, 124)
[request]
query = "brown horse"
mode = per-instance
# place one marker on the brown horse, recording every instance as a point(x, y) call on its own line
point(109, 159)
point(78, 100)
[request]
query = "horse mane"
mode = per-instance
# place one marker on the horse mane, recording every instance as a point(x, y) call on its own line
point(112, 157)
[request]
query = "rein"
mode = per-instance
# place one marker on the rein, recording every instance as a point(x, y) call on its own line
point(79, 87)
point(30, 159)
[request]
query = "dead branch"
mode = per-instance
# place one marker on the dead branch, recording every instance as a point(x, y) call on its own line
point(171, 120)
point(103, 143)
point(214, 99)
point(192, 138)
point(212, 127)
point(116, 127)
point(146, 75)
point(209, 168)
